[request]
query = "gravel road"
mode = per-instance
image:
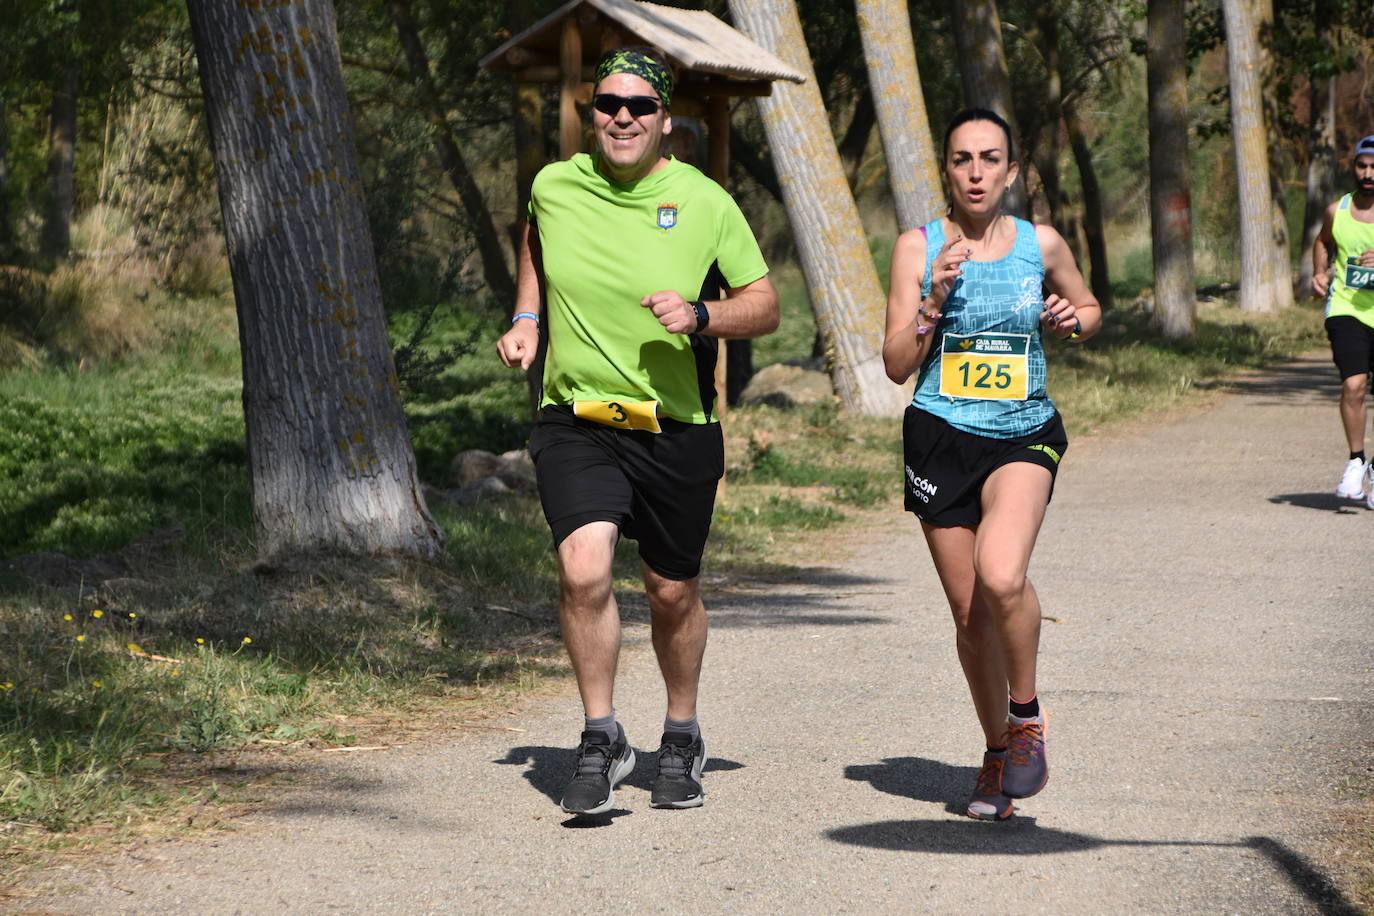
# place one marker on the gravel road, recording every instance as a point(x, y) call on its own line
point(1206, 665)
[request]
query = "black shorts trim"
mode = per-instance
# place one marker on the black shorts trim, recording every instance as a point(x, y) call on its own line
point(945, 467)
point(658, 489)
point(1352, 345)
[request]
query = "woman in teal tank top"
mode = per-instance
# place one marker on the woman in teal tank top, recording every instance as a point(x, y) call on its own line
point(972, 296)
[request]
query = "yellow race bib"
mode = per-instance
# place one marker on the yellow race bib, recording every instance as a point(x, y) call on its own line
point(990, 367)
point(620, 414)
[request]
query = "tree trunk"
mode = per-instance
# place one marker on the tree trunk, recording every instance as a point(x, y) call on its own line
point(845, 293)
point(1261, 273)
point(895, 88)
point(855, 139)
point(1171, 233)
point(1093, 221)
point(6, 234)
point(1321, 146)
point(1269, 92)
point(1047, 37)
point(494, 267)
point(57, 215)
point(328, 451)
point(983, 69)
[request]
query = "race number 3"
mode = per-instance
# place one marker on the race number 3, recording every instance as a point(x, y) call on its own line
point(620, 414)
point(985, 366)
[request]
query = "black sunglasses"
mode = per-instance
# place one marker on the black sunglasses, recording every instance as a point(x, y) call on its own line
point(637, 105)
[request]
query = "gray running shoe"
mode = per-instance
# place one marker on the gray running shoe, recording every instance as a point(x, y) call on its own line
point(987, 802)
point(601, 766)
point(1026, 769)
point(678, 783)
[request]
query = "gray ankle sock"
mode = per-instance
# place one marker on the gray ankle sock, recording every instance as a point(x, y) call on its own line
point(606, 725)
point(686, 726)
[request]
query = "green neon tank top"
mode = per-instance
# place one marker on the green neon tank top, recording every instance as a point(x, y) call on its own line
point(1352, 286)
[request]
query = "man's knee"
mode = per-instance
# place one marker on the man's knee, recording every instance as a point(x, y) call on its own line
point(584, 560)
point(670, 597)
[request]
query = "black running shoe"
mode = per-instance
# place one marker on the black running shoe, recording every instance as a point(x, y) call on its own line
point(601, 766)
point(678, 783)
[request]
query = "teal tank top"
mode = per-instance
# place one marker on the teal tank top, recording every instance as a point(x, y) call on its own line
point(991, 381)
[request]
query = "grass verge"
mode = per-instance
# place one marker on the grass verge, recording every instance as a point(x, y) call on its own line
point(147, 641)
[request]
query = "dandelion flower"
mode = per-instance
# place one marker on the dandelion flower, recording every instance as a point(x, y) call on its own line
point(133, 647)
point(247, 640)
point(97, 613)
point(66, 616)
point(132, 615)
point(200, 640)
point(96, 684)
point(81, 637)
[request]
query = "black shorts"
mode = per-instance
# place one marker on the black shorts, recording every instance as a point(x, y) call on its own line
point(658, 488)
point(946, 467)
point(1352, 345)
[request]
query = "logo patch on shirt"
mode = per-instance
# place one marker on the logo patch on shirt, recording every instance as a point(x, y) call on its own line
point(667, 216)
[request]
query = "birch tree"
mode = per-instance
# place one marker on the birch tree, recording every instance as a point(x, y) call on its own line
point(328, 451)
point(845, 292)
point(895, 87)
point(1263, 273)
point(1171, 233)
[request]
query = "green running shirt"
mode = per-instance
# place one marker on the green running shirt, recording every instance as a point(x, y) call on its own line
point(1352, 287)
point(605, 246)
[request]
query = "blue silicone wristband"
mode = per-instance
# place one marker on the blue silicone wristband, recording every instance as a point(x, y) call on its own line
point(530, 315)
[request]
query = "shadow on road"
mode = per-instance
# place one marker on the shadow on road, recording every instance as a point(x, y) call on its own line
point(1285, 384)
point(550, 767)
point(933, 781)
point(1324, 502)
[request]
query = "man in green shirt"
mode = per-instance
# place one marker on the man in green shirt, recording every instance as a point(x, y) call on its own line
point(1346, 241)
point(621, 248)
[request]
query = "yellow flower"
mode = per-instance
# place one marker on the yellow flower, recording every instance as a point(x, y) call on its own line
point(97, 613)
point(132, 615)
point(66, 616)
point(247, 640)
point(7, 685)
point(81, 637)
point(133, 647)
point(176, 671)
point(200, 641)
point(96, 684)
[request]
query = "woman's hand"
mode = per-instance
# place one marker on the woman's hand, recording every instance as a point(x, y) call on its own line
point(945, 271)
point(1060, 317)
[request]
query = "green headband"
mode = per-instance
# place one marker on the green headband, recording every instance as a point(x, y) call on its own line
point(642, 66)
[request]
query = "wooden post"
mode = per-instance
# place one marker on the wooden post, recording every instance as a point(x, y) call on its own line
point(569, 124)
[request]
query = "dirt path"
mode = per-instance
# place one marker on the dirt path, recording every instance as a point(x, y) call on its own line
point(1207, 672)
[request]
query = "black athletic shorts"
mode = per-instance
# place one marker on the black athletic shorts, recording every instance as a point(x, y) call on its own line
point(658, 488)
point(1352, 345)
point(946, 467)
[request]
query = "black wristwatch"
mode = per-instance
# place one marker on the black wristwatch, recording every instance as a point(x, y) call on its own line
point(703, 316)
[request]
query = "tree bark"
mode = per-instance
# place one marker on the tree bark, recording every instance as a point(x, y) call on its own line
point(845, 293)
point(1171, 232)
point(56, 236)
point(1269, 92)
point(494, 266)
point(1094, 222)
point(1261, 273)
point(328, 451)
point(895, 88)
point(6, 233)
point(1321, 146)
point(1047, 37)
point(983, 69)
point(855, 139)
